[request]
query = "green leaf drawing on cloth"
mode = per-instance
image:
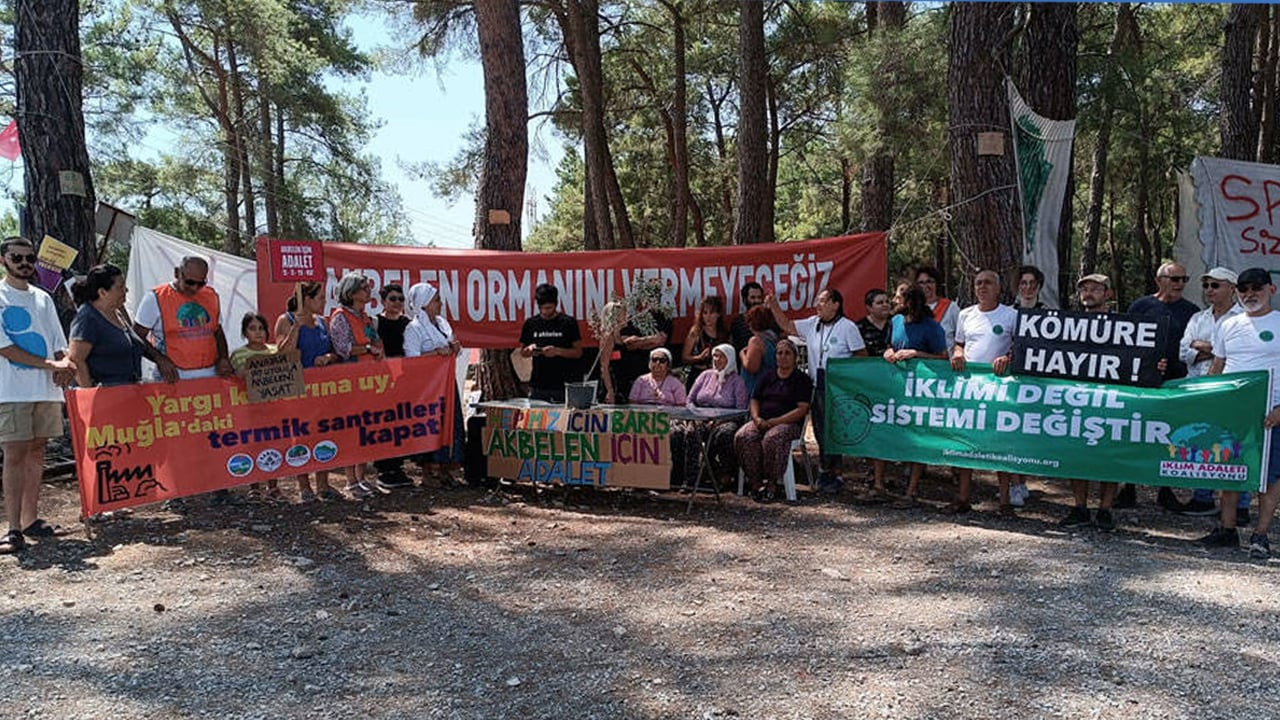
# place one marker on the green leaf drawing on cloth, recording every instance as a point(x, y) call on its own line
point(1034, 169)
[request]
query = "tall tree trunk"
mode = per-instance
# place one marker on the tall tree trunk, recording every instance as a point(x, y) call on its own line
point(506, 156)
point(985, 221)
point(270, 183)
point(49, 79)
point(282, 197)
point(233, 242)
point(753, 162)
point(722, 153)
point(240, 123)
point(1049, 84)
point(1269, 56)
point(1123, 37)
point(580, 25)
point(1238, 124)
point(767, 233)
point(877, 182)
point(680, 130)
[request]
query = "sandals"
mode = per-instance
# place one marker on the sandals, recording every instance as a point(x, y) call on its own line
point(956, 507)
point(12, 542)
point(359, 491)
point(275, 497)
point(42, 529)
point(306, 497)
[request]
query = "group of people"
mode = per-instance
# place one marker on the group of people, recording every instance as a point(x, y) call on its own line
point(751, 364)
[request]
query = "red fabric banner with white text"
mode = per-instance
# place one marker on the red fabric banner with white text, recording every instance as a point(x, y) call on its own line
point(138, 444)
point(488, 294)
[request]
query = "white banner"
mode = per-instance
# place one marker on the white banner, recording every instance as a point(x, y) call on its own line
point(1238, 206)
point(1042, 153)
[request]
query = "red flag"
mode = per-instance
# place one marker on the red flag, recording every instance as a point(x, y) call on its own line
point(9, 141)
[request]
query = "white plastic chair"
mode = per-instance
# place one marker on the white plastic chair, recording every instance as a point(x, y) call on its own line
point(789, 475)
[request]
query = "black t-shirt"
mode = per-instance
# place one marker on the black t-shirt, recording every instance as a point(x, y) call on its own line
point(1179, 314)
point(779, 396)
point(392, 334)
point(560, 331)
point(634, 363)
point(876, 339)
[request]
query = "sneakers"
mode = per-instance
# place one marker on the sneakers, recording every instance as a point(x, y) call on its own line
point(830, 484)
point(1018, 494)
point(1078, 517)
point(1105, 520)
point(359, 491)
point(1221, 537)
point(1259, 547)
point(1200, 507)
point(1126, 498)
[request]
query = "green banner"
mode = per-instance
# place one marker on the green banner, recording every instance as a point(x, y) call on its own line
point(1196, 433)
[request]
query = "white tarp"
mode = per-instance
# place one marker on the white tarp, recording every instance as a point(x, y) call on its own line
point(1042, 154)
point(154, 255)
point(1238, 209)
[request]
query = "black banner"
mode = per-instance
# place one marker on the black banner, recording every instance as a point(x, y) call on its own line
point(1114, 348)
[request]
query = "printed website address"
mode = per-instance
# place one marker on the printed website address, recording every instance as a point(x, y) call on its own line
point(1001, 457)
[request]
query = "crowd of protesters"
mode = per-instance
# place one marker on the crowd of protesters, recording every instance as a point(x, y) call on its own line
point(761, 363)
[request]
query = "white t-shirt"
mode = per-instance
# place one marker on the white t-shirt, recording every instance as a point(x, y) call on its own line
point(148, 316)
point(1250, 343)
point(948, 322)
point(839, 339)
point(29, 321)
point(986, 335)
point(1202, 326)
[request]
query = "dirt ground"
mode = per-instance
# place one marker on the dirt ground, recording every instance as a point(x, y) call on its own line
point(571, 603)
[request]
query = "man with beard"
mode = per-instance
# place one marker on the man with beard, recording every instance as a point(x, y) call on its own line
point(33, 365)
point(1251, 341)
point(1095, 292)
point(752, 295)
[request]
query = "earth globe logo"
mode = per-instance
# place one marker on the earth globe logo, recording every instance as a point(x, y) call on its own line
point(239, 465)
point(325, 451)
point(1204, 443)
point(849, 418)
point(192, 315)
point(997, 329)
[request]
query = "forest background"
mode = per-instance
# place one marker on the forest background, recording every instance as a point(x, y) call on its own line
point(682, 122)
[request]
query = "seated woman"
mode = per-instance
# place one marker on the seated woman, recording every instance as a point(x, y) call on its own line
point(709, 329)
point(658, 386)
point(719, 386)
point(429, 333)
point(778, 407)
point(914, 334)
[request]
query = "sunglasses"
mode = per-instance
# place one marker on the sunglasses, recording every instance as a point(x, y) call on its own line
point(28, 258)
point(660, 360)
point(1211, 285)
point(1177, 278)
point(194, 283)
point(1249, 287)
point(395, 298)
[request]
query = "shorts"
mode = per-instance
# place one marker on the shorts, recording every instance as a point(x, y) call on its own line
point(25, 421)
point(1273, 468)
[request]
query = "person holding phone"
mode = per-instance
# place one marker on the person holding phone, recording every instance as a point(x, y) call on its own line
point(553, 340)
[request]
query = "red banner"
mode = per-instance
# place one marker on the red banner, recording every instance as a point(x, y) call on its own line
point(488, 294)
point(138, 444)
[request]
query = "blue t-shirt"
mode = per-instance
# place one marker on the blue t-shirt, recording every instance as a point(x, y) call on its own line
point(312, 341)
point(116, 356)
point(925, 336)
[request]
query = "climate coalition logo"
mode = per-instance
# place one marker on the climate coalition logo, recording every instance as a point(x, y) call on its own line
point(192, 315)
point(850, 419)
point(1204, 452)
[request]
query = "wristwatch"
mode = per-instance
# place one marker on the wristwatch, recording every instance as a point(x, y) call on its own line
point(368, 348)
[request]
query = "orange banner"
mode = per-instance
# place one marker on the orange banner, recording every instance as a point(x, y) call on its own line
point(488, 294)
point(138, 444)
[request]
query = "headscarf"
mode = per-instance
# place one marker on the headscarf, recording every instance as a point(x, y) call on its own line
point(661, 351)
point(418, 296)
point(435, 333)
point(730, 367)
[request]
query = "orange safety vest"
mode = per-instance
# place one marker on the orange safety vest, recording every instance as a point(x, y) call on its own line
point(359, 325)
point(190, 325)
point(940, 310)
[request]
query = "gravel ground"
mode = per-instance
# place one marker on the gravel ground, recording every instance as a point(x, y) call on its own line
point(579, 604)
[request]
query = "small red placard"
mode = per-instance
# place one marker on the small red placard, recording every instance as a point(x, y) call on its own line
point(296, 260)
